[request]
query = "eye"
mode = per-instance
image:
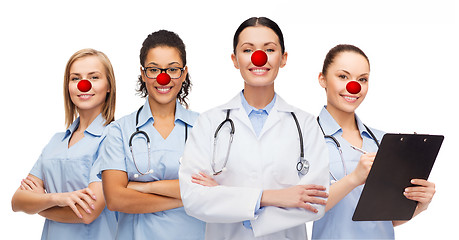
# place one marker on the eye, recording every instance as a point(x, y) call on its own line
point(173, 70)
point(75, 78)
point(364, 79)
point(270, 50)
point(95, 77)
point(153, 70)
point(342, 76)
point(247, 50)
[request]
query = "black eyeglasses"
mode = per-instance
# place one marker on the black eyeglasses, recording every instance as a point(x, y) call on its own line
point(153, 72)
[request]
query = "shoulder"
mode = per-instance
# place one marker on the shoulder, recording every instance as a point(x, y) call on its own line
point(301, 115)
point(378, 133)
point(191, 116)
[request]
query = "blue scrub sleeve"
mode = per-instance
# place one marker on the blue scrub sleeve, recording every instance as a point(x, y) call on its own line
point(112, 151)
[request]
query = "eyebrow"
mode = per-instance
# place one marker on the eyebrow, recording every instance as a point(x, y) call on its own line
point(251, 44)
point(88, 73)
point(155, 64)
point(351, 74)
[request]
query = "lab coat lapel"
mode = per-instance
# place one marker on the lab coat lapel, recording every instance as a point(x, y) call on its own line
point(238, 112)
point(274, 116)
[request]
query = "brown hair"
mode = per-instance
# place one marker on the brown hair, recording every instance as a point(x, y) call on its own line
point(339, 49)
point(108, 110)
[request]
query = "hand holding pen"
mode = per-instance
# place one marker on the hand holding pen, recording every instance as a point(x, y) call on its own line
point(360, 173)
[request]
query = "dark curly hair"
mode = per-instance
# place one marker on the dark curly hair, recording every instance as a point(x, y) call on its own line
point(164, 38)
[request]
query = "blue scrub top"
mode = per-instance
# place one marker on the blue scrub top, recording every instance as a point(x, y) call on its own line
point(164, 156)
point(337, 222)
point(64, 169)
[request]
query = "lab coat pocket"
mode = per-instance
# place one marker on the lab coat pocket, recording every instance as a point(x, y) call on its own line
point(285, 174)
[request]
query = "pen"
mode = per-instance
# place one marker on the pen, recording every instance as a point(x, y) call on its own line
point(359, 149)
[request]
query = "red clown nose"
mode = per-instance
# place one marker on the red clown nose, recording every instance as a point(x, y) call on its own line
point(163, 79)
point(353, 87)
point(84, 85)
point(259, 58)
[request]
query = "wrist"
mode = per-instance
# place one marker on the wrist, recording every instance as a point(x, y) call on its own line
point(268, 198)
point(354, 180)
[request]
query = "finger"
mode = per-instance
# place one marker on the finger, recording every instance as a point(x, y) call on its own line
point(33, 180)
point(422, 182)
point(196, 176)
point(315, 200)
point(25, 185)
point(75, 210)
point(308, 207)
point(30, 182)
point(82, 204)
point(313, 186)
point(316, 193)
point(90, 193)
point(420, 197)
point(419, 190)
point(87, 199)
point(204, 175)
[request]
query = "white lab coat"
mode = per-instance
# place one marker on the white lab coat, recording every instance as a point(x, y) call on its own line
point(254, 164)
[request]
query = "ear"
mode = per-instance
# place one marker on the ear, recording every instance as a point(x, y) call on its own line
point(284, 59)
point(234, 59)
point(322, 80)
point(142, 76)
point(185, 72)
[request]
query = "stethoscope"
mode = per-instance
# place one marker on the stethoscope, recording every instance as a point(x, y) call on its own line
point(150, 170)
point(338, 145)
point(302, 166)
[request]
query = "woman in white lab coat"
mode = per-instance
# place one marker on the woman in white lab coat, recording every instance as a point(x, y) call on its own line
point(260, 192)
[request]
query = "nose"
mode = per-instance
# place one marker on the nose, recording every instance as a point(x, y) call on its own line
point(259, 58)
point(163, 78)
point(353, 87)
point(84, 85)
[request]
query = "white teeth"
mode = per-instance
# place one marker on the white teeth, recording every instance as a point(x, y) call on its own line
point(258, 70)
point(350, 98)
point(163, 89)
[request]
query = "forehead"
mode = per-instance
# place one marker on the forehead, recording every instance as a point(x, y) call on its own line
point(163, 54)
point(258, 35)
point(350, 61)
point(87, 64)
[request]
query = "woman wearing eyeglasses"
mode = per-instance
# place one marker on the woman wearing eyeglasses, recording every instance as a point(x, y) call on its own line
point(242, 170)
point(63, 185)
point(140, 157)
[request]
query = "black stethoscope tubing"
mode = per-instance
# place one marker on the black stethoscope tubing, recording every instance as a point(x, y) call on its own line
point(302, 166)
point(138, 131)
point(338, 145)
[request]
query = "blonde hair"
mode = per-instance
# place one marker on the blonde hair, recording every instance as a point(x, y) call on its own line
point(108, 110)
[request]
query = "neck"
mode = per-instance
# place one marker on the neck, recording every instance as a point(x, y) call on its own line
point(259, 97)
point(86, 118)
point(346, 120)
point(159, 110)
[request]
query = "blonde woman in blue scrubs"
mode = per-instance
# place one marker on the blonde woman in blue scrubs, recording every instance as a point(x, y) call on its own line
point(141, 182)
point(63, 185)
point(345, 63)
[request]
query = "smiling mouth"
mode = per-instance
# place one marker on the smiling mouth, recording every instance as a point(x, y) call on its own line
point(85, 96)
point(259, 71)
point(350, 98)
point(163, 89)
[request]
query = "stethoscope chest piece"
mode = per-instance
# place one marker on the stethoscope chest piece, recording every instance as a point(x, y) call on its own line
point(302, 166)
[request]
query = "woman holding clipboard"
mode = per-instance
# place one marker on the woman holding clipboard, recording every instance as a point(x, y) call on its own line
point(352, 149)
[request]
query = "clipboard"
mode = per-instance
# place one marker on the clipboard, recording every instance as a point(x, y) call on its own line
point(400, 158)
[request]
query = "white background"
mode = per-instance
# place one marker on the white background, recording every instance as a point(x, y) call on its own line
point(412, 47)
